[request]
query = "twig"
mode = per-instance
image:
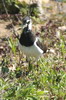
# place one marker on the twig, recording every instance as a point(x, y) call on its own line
point(14, 32)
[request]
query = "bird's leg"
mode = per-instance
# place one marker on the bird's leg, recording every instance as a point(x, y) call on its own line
point(37, 65)
point(27, 60)
point(29, 65)
point(20, 57)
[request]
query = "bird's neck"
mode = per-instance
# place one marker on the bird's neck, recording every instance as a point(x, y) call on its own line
point(28, 27)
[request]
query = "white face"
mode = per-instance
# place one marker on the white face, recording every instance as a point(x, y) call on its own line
point(29, 23)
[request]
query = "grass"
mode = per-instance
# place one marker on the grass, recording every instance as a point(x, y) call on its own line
point(48, 82)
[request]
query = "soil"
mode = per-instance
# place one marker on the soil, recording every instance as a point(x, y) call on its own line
point(6, 28)
point(4, 32)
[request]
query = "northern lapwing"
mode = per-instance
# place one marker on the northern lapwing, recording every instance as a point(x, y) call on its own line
point(29, 44)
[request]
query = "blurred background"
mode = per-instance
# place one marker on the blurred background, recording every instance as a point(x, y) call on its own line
point(45, 80)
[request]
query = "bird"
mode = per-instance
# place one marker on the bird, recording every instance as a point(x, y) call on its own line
point(29, 43)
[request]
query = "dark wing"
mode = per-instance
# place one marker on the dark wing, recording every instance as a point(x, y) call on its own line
point(42, 46)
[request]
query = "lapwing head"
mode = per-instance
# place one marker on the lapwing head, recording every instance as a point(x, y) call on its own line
point(27, 22)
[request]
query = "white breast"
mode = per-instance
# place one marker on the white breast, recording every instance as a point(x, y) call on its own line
point(32, 51)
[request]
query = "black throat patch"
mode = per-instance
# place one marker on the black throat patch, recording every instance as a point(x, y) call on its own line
point(27, 38)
